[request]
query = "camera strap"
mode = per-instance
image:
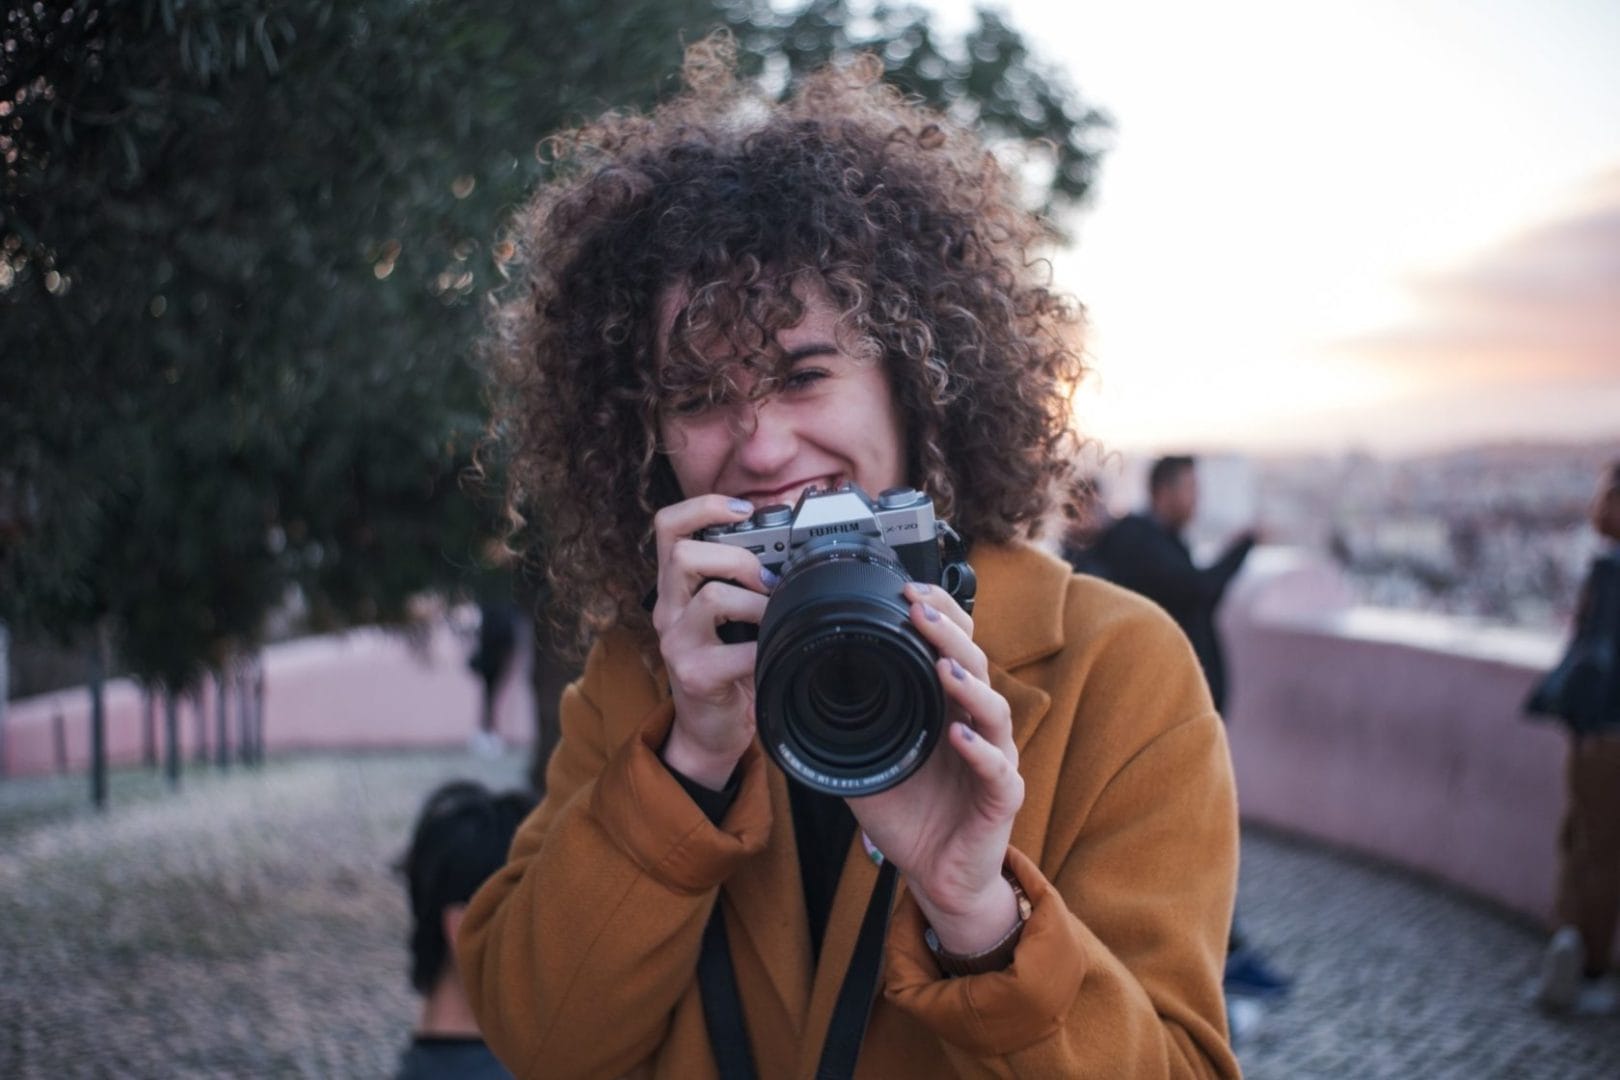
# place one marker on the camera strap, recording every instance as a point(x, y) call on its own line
point(722, 1002)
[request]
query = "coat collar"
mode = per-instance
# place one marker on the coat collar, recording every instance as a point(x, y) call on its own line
point(1016, 620)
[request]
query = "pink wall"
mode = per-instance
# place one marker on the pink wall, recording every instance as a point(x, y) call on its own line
point(1394, 734)
point(367, 688)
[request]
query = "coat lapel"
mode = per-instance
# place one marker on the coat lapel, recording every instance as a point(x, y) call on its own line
point(768, 899)
point(1016, 623)
point(1028, 704)
point(855, 885)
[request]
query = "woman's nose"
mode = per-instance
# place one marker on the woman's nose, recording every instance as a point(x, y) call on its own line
point(763, 440)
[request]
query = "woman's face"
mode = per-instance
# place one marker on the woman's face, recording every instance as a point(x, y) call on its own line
point(832, 421)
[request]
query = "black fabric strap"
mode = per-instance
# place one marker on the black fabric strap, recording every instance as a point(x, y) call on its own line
point(722, 1002)
point(854, 1006)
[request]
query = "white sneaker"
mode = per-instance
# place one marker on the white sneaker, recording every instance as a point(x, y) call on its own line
point(1598, 997)
point(1558, 984)
point(486, 744)
point(1245, 1016)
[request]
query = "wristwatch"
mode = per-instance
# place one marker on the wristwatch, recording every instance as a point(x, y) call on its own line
point(995, 958)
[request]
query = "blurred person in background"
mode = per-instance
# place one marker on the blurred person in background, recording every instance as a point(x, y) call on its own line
point(1583, 691)
point(460, 839)
point(499, 627)
point(1147, 553)
point(719, 306)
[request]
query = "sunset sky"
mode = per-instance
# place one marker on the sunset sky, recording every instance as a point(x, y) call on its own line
point(1387, 224)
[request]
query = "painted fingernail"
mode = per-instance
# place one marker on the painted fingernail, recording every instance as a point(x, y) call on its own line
point(957, 670)
point(968, 734)
point(930, 613)
point(768, 577)
point(741, 506)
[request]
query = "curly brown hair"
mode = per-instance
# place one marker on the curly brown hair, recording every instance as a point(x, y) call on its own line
point(914, 230)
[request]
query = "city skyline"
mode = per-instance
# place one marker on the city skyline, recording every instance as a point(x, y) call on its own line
point(1389, 226)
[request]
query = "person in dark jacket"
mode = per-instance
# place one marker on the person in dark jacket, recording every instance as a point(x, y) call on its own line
point(498, 631)
point(1584, 692)
point(1146, 554)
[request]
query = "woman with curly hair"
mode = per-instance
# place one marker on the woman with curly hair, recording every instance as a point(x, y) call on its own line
point(719, 306)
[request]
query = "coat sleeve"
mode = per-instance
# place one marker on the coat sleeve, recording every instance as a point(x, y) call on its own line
point(1118, 971)
point(575, 954)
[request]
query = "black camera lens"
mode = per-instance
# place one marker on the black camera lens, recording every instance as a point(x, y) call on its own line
point(847, 699)
point(845, 685)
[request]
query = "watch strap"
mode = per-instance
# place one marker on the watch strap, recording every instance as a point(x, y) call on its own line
point(996, 957)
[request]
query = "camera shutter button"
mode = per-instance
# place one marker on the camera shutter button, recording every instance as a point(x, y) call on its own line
point(774, 515)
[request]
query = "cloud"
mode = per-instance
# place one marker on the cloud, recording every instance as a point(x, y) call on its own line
point(1542, 307)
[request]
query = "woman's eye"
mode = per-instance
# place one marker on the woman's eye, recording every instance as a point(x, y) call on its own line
point(695, 405)
point(803, 378)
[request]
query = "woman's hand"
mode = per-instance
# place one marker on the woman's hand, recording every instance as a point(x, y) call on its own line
point(947, 825)
point(700, 586)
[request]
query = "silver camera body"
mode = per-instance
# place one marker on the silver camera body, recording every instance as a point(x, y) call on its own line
point(846, 696)
point(902, 518)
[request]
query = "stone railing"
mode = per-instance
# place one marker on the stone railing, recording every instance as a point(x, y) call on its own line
point(1396, 734)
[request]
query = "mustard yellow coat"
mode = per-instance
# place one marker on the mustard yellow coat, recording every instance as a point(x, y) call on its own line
point(580, 956)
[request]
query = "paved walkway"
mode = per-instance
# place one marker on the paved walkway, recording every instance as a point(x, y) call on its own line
point(1398, 978)
point(251, 926)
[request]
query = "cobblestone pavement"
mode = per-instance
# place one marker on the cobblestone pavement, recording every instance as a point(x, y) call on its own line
point(251, 926)
point(1396, 977)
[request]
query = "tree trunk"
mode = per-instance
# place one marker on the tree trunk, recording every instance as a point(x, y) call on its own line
point(171, 735)
point(100, 651)
point(244, 713)
point(149, 753)
point(5, 690)
point(255, 676)
point(199, 701)
point(222, 743)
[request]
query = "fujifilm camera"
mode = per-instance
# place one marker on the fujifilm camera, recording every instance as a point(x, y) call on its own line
point(847, 699)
